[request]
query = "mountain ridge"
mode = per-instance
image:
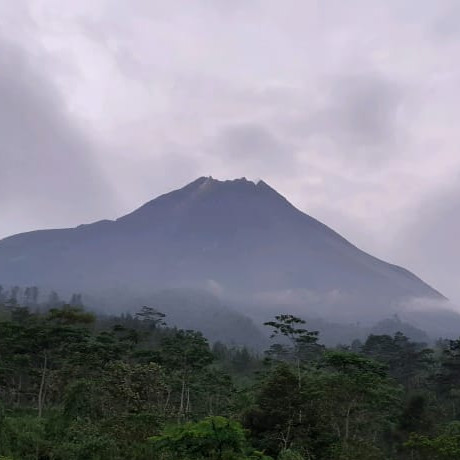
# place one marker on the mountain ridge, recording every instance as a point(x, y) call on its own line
point(240, 237)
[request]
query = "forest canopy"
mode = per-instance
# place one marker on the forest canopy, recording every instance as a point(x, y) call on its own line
point(77, 386)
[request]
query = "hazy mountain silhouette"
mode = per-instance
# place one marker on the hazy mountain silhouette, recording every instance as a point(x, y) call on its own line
point(237, 239)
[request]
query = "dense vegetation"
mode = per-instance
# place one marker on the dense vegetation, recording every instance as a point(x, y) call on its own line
point(76, 386)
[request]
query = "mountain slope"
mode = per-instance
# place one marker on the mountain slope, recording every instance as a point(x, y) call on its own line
point(236, 238)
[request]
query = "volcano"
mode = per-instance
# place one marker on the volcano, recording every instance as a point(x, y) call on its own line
point(236, 238)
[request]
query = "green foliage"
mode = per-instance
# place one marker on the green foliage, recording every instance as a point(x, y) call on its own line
point(22, 436)
point(357, 450)
point(298, 344)
point(406, 361)
point(74, 386)
point(214, 438)
point(442, 447)
point(290, 454)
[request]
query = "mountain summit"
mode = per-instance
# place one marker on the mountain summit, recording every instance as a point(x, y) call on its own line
point(237, 238)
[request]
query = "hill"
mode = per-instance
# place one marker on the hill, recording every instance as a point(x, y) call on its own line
point(239, 240)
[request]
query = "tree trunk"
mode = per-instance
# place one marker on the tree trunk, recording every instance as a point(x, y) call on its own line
point(18, 400)
point(166, 404)
point(188, 408)
point(347, 424)
point(41, 395)
point(182, 398)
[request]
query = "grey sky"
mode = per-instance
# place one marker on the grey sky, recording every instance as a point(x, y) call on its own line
point(348, 108)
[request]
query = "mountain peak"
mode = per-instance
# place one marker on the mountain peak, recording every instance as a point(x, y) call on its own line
point(238, 234)
point(210, 197)
point(239, 180)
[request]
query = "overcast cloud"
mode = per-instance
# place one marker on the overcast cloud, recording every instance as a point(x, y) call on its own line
point(350, 109)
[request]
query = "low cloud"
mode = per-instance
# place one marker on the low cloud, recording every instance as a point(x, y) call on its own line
point(254, 147)
point(430, 239)
point(361, 116)
point(48, 174)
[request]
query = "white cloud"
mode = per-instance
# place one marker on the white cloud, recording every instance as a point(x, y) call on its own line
point(348, 108)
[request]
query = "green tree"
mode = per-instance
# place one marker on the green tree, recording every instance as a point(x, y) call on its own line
point(357, 398)
point(274, 418)
point(445, 446)
point(214, 438)
point(185, 355)
point(300, 345)
point(407, 361)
